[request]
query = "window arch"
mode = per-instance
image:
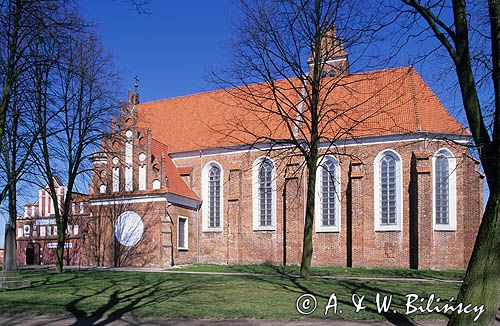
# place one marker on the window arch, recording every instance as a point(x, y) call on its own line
point(213, 196)
point(444, 190)
point(264, 194)
point(116, 175)
point(327, 201)
point(102, 189)
point(129, 169)
point(388, 186)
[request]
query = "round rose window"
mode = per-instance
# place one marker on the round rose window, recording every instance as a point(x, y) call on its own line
point(128, 228)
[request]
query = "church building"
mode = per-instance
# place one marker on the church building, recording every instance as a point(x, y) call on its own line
point(400, 189)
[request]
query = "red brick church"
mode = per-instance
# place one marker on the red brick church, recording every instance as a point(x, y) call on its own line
point(400, 190)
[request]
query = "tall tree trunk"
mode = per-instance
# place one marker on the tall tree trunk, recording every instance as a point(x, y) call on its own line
point(481, 284)
point(10, 251)
point(307, 248)
point(10, 74)
point(61, 229)
point(10, 257)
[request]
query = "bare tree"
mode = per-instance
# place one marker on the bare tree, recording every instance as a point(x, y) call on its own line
point(22, 23)
point(71, 115)
point(451, 23)
point(289, 62)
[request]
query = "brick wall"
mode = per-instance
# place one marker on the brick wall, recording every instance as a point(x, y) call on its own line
point(44, 247)
point(103, 249)
point(357, 244)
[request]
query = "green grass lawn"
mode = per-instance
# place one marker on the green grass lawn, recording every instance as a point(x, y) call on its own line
point(90, 295)
point(327, 271)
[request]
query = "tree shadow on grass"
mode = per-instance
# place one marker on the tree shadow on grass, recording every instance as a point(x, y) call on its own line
point(52, 279)
point(296, 285)
point(121, 301)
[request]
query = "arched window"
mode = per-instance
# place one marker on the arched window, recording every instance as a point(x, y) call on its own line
point(388, 199)
point(142, 171)
point(327, 207)
point(116, 175)
point(102, 189)
point(214, 197)
point(129, 185)
point(388, 191)
point(212, 192)
point(264, 194)
point(444, 190)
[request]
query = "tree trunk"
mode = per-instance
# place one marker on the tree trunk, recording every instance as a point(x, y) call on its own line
point(10, 74)
point(307, 248)
point(61, 229)
point(10, 252)
point(482, 280)
point(9, 259)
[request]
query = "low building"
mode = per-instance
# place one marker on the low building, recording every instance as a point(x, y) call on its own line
point(37, 228)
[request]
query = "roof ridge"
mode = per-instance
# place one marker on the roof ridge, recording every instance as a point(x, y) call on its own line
point(382, 70)
point(257, 83)
point(181, 96)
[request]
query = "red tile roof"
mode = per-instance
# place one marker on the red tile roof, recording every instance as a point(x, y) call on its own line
point(383, 102)
point(175, 183)
point(184, 170)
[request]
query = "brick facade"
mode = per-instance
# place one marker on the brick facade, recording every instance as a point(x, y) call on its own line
point(36, 230)
point(417, 244)
point(357, 244)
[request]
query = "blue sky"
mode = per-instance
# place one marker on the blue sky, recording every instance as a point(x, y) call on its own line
point(170, 50)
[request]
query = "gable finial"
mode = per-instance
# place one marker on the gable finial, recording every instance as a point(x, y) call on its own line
point(134, 98)
point(136, 84)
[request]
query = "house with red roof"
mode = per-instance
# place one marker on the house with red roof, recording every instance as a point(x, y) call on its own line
point(182, 180)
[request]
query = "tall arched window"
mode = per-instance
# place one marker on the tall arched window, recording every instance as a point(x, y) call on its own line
point(388, 200)
point(388, 191)
point(327, 207)
point(116, 175)
point(264, 194)
point(129, 169)
point(212, 192)
point(444, 190)
point(214, 197)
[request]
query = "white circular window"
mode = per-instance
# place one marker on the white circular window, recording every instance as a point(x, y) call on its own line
point(115, 160)
point(128, 228)
point(142, 157)
point(129, 133)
